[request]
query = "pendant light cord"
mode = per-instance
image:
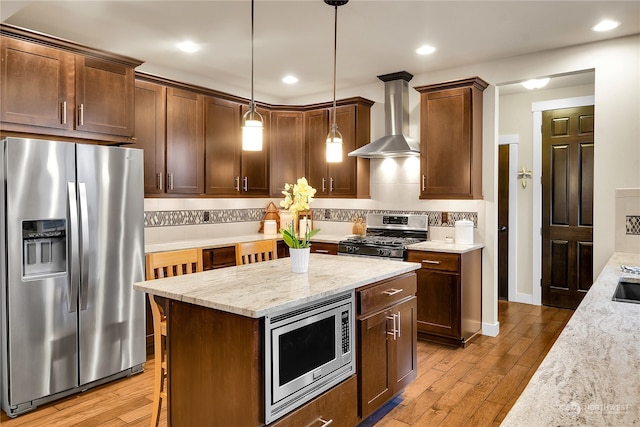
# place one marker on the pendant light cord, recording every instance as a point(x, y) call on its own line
point(335, 49)
point(252, 107)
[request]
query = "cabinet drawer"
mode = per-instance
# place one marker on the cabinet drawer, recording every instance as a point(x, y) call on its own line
point(386, 293)
point(337, 405)
point(324, 248)
point(436, 260)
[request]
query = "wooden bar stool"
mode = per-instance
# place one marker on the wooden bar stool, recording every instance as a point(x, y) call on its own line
point(256, 251)
point(159, 265)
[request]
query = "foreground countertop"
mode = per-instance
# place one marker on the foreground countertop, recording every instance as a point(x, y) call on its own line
point(591, 374)
point(257, 290)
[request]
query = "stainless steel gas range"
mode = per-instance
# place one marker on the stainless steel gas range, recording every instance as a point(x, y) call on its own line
point(387, 236)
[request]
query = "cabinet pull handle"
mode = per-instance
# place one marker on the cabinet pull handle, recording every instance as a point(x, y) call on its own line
point(423, 182)
point(237, 180)
point(391, 292)
point(428, 261)
point(170, 180)
point(64, 113)
point(245, 183)
point(321, 251)
point(324, 187)
point(325, 423)
point(159, 181)
point(394, 331)
point(81, 114)
point(399, 324)
point(330, 185)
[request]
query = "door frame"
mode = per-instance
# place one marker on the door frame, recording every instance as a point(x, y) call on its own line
point(513, 140)
point(537, 108)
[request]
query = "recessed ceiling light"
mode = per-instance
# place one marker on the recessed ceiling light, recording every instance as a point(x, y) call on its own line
point(535, 83)
point(605, 25)
point(425, 50)
point(290, 80)
point(188, 46)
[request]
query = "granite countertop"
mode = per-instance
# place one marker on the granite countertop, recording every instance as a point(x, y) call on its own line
point(442, 246)
point(256, 290)
point(591, 375)
point(220, 242)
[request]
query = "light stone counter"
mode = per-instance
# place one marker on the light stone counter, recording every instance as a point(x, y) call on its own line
point(442, 246)
point(591, 375)
point(255, 290)
point(220, 242)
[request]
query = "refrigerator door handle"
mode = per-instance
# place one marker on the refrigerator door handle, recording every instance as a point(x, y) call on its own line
point(84, 249)
point(74, 276)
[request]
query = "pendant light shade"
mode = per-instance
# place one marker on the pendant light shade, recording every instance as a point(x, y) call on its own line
point(334, 139)
point(252, 120)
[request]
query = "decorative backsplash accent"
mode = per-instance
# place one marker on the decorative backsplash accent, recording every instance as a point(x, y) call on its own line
point(219, 216)
point(633, 225)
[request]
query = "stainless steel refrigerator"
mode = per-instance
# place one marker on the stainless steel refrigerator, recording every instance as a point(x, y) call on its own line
point(72, 232)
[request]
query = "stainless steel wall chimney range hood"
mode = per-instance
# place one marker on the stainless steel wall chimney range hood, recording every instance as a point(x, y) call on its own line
point(396, 142)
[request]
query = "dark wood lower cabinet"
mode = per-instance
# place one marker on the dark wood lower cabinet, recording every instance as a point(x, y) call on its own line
point(449, 296)
point(387, 356)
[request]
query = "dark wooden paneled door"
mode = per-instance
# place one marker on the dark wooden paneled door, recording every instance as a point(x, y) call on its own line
point(503, 221)
point(567, 205)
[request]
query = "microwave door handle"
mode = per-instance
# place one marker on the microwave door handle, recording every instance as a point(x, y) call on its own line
point(74, 267)
point(84, 266)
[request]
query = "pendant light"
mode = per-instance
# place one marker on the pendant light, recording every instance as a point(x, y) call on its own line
point(252, 120)
point(334, 139)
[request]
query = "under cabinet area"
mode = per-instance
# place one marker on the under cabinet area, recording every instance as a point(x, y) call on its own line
point(55, 87)
point(449, 306)
point(387, 341)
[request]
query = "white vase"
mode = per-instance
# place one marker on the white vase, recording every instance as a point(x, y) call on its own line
point(299, 259)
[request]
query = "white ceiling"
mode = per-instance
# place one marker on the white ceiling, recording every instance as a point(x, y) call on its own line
point(296, 37)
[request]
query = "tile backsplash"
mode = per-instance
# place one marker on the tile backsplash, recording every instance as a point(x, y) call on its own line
point(220, 216)
point(627, 220)
point(633, 225)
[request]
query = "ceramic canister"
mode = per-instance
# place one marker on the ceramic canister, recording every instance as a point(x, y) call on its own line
point(464, 232)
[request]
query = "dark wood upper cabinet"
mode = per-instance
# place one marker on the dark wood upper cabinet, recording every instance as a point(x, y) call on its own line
point(286, 149)
point(150, 133)
point(55, 87)
point(185, 142)
point(349, 178)
point(451, 139)
point(231, 171)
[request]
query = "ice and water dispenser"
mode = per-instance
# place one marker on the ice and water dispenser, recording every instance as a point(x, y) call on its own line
point(44, 247)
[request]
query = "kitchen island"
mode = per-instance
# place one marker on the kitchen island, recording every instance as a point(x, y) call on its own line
point(216, 331)
point(590, 375)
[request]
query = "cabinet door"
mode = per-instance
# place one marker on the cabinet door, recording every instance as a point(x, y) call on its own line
point(185, 142)
point(375, 384)
point(104, 97)
point(342, 176)
point(438, 303)
point(223, 147)
point(316, 129)
point(403, 365)
point(255, 164)
point(32, 72)
point(150, 133)
point(287, 149)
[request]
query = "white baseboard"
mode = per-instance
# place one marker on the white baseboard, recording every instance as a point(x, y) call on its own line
point(523, 298)
point(491, 330)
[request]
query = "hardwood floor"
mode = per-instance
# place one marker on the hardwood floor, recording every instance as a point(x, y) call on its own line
point(475, 386)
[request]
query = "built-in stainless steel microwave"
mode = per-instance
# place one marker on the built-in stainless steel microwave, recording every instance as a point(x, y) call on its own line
point(308, 350)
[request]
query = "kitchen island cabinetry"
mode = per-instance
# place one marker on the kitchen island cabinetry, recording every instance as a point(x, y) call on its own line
point(451, 139)
point(55, 87)
point(349, 178)
point(387, 352)
point(216, 335)
point(449, 296)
